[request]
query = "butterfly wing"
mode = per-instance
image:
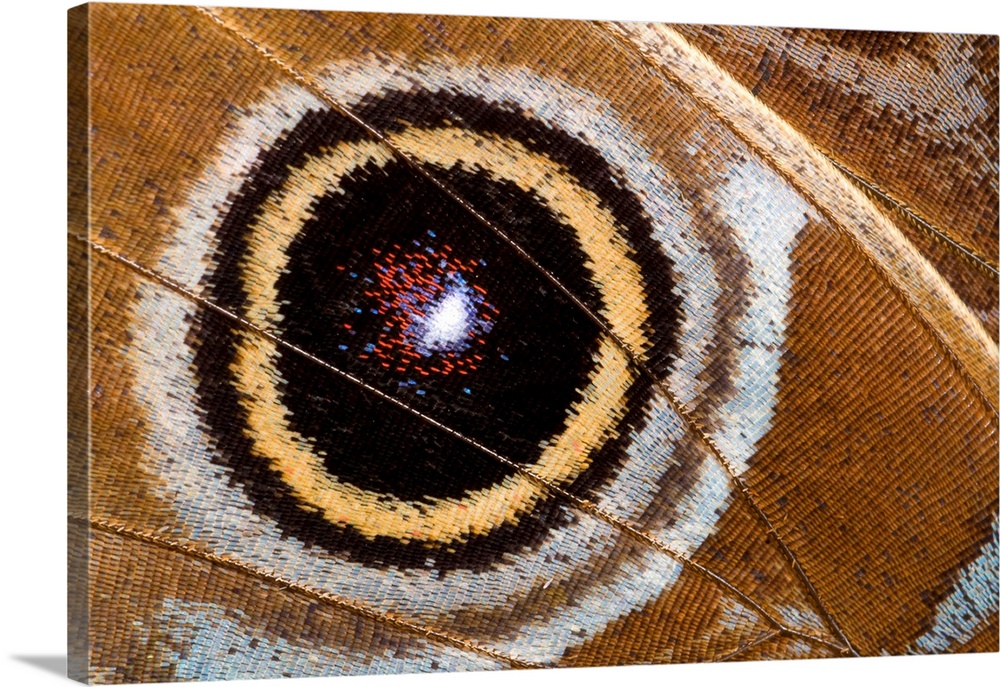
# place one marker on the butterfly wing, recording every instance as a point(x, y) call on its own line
point(717, 403)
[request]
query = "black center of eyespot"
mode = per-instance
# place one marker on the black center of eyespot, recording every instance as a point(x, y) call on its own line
point(396, 283)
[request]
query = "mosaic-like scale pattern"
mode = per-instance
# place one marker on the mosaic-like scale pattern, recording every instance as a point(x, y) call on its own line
point(435, 343)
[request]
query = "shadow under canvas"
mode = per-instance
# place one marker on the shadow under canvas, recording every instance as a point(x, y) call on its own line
point(50, 663)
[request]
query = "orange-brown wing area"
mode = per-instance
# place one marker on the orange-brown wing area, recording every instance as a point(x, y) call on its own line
point(911, 117)
point(780, 442)
point(880, 471)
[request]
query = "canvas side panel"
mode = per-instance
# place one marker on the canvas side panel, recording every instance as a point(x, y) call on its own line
point(78, 334)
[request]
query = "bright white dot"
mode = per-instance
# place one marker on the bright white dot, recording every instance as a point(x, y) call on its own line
point(447, 321)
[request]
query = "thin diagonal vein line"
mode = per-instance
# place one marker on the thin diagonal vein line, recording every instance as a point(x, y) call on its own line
point(748, 646)
point(579, 503)
point(911, 216)
point(635, 359)
point(776, 634)
point(292, 586)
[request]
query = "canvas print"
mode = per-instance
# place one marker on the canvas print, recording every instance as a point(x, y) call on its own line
point(406, 343)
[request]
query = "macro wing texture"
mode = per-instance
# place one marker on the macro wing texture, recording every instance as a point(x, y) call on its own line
point(418, 343)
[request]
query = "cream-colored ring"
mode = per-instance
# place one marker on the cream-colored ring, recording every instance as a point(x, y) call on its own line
point(590, 422)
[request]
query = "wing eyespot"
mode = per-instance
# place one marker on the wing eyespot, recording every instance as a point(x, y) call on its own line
point(348, 253)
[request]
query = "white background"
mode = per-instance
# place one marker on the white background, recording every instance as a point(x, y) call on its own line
point(32, 311)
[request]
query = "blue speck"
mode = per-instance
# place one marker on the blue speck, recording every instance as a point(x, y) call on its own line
point(357, 310)
point(354, 275)
point(503, 357)
point(420, 392)
point(342, 347)
point(369, 347)
point(467, 390)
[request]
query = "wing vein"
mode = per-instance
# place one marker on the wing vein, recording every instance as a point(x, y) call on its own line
point(743, 648)
point(963, 370)
point(292, 586)
point(914, 219)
